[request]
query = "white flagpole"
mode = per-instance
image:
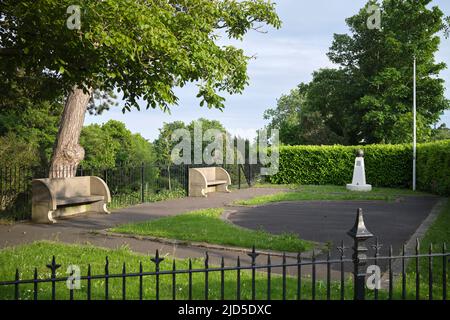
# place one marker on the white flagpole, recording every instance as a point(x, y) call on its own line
point(414, 127)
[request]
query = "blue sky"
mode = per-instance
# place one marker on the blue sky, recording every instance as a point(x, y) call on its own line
point(284, 58)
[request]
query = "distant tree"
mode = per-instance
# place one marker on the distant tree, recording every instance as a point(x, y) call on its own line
point(440, 133)
point(100, 147)
point(16, 153)
point(164, 146)
point(142, 151)
point(35, 124)
point(112, 145)
point(206, 125)
point(297, 122)
point(369, 98)
point(30, 110)
point(286, 116)
point(120, 134)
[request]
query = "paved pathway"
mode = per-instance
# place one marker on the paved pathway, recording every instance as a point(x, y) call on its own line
point(392, 222)
point(336, 217)
point(78, 229)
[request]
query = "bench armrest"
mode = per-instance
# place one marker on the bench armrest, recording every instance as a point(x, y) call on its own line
point(196, 177)
point(41, 193)
point(100, 188)
point(222, 174)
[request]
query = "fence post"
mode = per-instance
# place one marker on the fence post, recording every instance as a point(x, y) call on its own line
point(239, 176)
point(142, 184)
point(359, 233)
point(186, 179)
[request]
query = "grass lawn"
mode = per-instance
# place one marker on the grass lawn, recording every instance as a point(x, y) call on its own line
point(207, 226)
point(327, 192)
point(38, 254)
point(27, 257)
point(437, 235)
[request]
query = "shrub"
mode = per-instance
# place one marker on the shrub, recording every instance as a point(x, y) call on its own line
point(386, 165)
point(433, 167)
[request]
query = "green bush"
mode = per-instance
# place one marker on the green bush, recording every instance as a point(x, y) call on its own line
point(386, 165)
point(433, 167)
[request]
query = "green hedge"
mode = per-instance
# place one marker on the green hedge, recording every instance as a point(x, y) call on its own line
point(433, 167)
point(386, 165)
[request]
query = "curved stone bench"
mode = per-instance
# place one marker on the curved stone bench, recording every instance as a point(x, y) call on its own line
point(53, 198)
point(205, 180)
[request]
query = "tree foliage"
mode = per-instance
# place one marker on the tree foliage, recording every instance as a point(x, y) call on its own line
point(141, 48)
point(440, 133)
point(369, 98)
point(164, 143)
point(112, 144)
point(30, 109)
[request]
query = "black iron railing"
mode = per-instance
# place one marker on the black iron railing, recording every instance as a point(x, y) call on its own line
point(309, 276)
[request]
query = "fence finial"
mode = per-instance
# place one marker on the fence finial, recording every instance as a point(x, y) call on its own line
point(359, 230)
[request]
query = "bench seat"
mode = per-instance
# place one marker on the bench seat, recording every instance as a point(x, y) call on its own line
point(216, 182)
point(78, 200)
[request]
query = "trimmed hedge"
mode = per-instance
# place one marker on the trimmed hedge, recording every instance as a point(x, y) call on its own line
point(386, 165)
point(433, 167)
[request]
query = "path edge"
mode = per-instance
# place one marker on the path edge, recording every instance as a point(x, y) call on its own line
point(410, 245)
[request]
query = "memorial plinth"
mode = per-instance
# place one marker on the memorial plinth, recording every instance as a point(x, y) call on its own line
point(359, 175)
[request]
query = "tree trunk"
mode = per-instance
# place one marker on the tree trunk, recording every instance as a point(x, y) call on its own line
point(67, 153)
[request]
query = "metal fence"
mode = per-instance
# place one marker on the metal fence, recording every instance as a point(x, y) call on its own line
point(256, 280)
point(129, 185)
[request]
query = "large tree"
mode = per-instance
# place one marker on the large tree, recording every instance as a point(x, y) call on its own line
point(369, 98)
point(382, 61)
point(141, 48)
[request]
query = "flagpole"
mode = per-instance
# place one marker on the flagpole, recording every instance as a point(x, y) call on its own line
point(414, 126)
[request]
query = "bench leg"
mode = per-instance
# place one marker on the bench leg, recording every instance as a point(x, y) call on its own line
point(197, 192)
point(100, 207)
point(223, 188)
point(41, 214)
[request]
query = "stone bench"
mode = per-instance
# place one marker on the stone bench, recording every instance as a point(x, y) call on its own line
point(53, 198)
point(209, 179)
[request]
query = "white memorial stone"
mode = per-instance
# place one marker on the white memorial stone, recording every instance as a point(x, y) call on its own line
point(359, 175)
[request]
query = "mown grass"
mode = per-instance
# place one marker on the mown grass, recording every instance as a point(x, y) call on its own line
point(327, 192)
point(39, 254)
point(207, 226)
point(27, 257)
point(437, 236)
